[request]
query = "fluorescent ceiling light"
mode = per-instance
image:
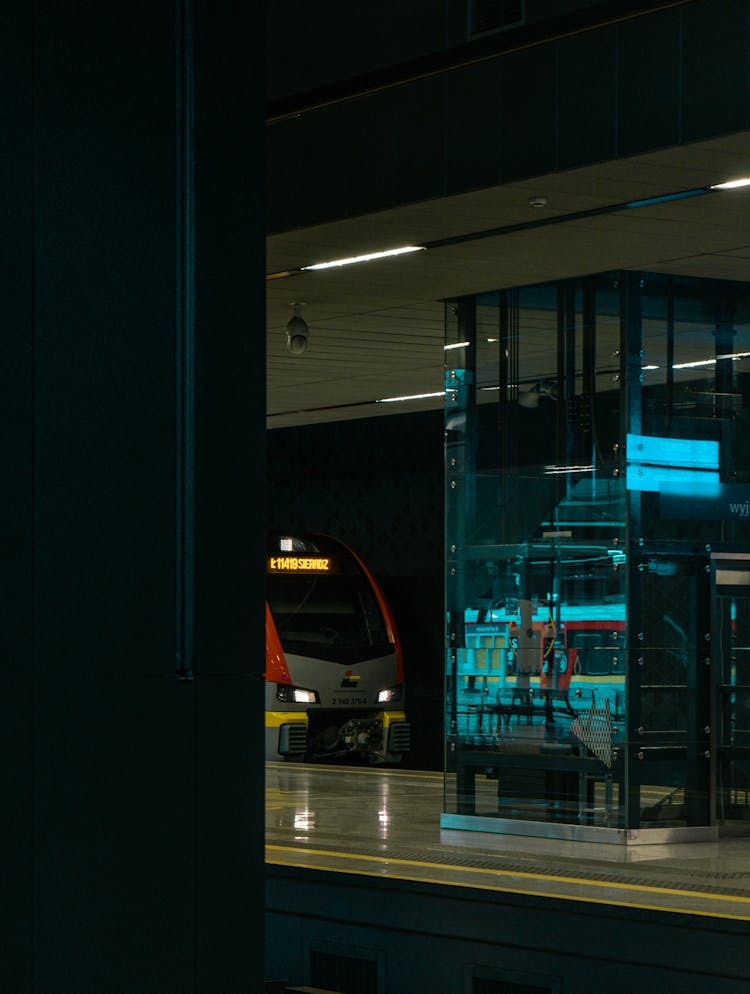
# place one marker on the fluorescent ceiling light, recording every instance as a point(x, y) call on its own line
point(732, 184)
point(456, 345)
point(734, 356)
point(694, 365)
point(704, 362)
point(415, 396)
point(508, 229)
point(650, 367)
point(351, 260)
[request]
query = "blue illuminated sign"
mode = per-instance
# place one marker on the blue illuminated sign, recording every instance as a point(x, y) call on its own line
point(658, 464)
point(687, 453)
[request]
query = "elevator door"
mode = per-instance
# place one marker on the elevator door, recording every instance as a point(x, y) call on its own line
point(731, 661)
point(669, 694)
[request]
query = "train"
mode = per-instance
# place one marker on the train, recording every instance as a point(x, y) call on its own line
point(334, 677)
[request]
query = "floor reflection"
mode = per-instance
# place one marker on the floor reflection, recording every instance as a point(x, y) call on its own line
point(387, 821)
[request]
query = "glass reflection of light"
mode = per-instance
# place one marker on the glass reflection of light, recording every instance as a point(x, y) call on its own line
point(304, 820)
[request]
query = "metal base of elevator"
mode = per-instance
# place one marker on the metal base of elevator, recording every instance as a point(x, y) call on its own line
point(581, 833)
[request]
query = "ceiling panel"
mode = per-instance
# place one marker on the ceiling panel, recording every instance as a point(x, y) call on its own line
point(376, 330)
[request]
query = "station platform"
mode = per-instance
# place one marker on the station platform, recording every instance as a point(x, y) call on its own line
point(385, 823)
point(366, 894)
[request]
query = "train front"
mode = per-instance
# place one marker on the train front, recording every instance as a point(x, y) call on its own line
point(334, 666)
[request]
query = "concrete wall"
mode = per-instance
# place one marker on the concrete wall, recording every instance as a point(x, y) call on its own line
point(329, 43)
point(132, 800)
point(658, 80)
point(398, 937)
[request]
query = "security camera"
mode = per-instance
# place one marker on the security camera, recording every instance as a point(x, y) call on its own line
point(297, 332)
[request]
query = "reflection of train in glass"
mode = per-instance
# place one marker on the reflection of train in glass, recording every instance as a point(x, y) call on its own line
point(334, 665)
point(573, 660)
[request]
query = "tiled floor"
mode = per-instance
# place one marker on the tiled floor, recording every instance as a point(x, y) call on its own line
point(387, 822)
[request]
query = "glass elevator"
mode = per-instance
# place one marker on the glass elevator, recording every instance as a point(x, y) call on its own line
point(597, 588)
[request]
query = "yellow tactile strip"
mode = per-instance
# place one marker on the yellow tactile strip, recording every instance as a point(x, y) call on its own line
point(640, 896)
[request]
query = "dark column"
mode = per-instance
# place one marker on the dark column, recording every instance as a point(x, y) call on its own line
point(133, 401)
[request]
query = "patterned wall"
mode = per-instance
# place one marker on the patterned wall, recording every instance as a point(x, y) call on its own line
point(375, 483)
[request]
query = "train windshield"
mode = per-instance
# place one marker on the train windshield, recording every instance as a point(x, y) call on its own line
point(325, 611)
point(323, 605)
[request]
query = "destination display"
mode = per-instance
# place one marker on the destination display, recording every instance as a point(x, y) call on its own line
point(299, 564)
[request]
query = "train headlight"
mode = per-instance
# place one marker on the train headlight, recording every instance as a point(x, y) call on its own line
point(295, 695)
point(391, 694)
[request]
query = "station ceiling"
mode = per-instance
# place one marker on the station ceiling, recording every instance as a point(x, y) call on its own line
point(376, 329)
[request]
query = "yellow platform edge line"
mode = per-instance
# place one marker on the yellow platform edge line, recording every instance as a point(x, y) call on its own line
point(521, 875)
point(518, 890)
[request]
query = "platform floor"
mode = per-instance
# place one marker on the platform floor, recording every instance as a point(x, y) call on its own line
point(386, 822)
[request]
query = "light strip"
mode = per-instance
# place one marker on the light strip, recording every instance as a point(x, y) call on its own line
point(456, 345)
point(351, 260)
point(694, 365)
point(732, 184)
point(734, 356)
point(416, 396)
point(557, 470)
point(509, 229)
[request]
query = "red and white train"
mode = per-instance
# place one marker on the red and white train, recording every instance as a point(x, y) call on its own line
point(334, 663)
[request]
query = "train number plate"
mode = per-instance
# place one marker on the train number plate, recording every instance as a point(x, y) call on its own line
point(346, 699)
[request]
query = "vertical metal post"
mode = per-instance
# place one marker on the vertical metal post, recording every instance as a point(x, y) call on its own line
point(467, 331)
point(724, 399)
point(460, 481)
point(630, 422)
point(588, 342)
point(724, 344)
point(570, 369)
point(513, 345)
point(670, 354)
point(561, 433)
point(505, 386)
point(701, 755)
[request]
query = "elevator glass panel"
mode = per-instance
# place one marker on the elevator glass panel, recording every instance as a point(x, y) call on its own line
point(731, 644)
point(598, 484)
point(535, 585)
